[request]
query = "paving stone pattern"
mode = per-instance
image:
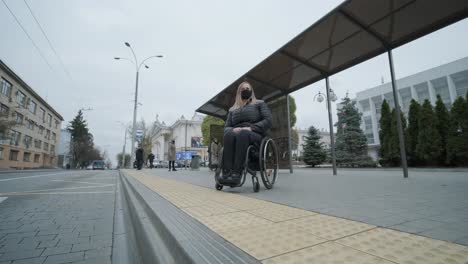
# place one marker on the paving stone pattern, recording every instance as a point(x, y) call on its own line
point(49, 229)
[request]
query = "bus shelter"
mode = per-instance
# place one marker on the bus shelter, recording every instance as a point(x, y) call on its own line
point(353, 32)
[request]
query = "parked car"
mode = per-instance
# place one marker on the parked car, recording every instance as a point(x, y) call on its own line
point(98, 165)
point(164, 164)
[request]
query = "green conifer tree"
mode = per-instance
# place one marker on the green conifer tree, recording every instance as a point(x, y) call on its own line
point(457, 139)
point(314, 152)
point(412, 133)
point(429, 146)
point(442, 125)
point(351, 143)
point(384, 133)
point(393, 147)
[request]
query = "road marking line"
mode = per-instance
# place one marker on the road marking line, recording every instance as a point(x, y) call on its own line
point(3, 199)
point(93, 183)
point(71, 188)
point(28, 177)
point(17, 194)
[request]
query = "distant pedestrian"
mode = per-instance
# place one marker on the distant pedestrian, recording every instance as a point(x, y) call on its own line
point(172, 155)
point(139, 158)
point(151, 159)
point(214, 151)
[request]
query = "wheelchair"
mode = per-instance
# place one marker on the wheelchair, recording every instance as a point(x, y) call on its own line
point(261, 158)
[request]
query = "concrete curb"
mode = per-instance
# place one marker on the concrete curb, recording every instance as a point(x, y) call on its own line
point(168, 230)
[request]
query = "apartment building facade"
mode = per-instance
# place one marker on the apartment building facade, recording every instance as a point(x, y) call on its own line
point(449, 81)
point(33, 139)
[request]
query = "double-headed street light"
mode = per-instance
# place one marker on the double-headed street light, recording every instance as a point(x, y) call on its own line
point(137, 68)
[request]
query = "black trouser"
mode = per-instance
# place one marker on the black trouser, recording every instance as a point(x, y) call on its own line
point(235, 148)
point(151, 163)
point(173, 167)
point(139, 164)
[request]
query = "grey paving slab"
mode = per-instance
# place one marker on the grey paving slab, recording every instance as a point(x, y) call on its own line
point(45, 228)
point(38, 260)
point(380, 197)
point(64, 258)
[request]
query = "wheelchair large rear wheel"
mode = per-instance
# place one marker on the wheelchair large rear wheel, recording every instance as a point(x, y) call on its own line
point(268, 162)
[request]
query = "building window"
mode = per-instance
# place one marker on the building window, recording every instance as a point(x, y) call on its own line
point(422, 91)
point(390, 100)
point(31, 124)
point(4, 109)
point(440, 86)
point(370, 138)
point(27, 140)
point(37, 143)
point(405, 94)
point(460, 79)
point(54, 136)
point(42, 114)
point(5, 88)
point(52, 149)
point(1, 153)
point(56, 123)
point(46, 146)
point(19, 118)
point(41, 130)
point(21, 98)
point(32, 107)
point(49, 120)
point(15, 137)
point(27, 157)
point(36, 158)
point(377, 100)
point(368, 123)
point(365, 105)
point(47, 135)
point(14, 155)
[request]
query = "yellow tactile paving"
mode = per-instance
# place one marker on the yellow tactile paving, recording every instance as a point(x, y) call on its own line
point(278, 213)
point(327, 253)
point(232, 221)
point(265, 241)
point(208, 209)
point(406, 248)
point(328, 227)
point(280, 234)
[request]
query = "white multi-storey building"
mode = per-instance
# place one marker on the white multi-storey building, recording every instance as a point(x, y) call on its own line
point(187, 135)
point(449, 81)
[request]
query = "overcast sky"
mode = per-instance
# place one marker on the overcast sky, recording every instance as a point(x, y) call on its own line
point(206, 46)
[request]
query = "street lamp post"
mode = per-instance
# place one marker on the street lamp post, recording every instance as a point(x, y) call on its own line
point(137, 68)
point(331, 96)
point(125, 143)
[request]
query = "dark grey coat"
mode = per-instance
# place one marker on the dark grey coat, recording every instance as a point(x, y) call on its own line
point(257, 116)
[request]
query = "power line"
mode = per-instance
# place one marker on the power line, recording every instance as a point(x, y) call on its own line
point(48, 41)
point(25, 32)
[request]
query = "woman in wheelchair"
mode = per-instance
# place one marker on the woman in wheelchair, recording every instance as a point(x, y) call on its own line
point(248, 121)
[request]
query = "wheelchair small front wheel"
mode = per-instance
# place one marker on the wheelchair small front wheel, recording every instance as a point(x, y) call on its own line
point(256, 184)
point(218, 186)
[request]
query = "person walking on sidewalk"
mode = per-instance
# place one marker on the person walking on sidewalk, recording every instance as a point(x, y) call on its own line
point(172, 155)
point(139, 157)
point(151, 159)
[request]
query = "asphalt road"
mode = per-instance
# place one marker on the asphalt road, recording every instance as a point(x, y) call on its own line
point(57, 216)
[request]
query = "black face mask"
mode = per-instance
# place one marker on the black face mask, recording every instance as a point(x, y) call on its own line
point(246, 94)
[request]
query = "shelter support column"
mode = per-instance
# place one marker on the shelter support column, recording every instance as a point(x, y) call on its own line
point(401, 137)
point(330, 122)
point(289, 135)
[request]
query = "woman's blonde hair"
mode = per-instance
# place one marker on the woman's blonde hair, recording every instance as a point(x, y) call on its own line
point(239, 102)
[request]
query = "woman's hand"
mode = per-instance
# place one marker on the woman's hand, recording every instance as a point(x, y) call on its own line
point(247, 128)
point(237, 129)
